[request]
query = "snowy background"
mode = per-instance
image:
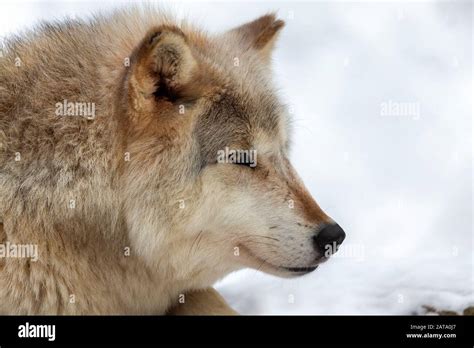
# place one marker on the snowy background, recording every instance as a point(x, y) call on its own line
point(400, 184)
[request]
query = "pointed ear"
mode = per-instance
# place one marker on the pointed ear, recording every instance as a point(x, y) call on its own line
point(260, 34)
point(162, 67)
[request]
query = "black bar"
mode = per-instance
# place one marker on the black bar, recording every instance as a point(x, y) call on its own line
point(140, 330)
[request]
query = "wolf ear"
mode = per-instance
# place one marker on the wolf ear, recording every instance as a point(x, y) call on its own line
point(163, 66)
point(260, 34)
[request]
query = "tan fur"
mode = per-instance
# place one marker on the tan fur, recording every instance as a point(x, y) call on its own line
point(202, 302)
point(185, 220)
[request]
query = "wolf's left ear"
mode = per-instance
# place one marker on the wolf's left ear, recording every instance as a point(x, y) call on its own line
point(259, 34)
point(163, 67)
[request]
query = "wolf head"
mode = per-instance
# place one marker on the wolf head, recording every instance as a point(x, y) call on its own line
point(208, 186)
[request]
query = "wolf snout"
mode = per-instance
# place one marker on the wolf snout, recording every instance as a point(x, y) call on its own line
point(328, 239)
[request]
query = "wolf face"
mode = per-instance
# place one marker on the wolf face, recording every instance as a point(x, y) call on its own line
point(210, 188)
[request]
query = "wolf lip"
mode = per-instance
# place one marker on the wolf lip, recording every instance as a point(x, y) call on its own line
point(296, 270)
point(301, 269)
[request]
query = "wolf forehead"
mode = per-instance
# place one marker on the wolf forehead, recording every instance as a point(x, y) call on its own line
point(249, 96)
point(243, 121)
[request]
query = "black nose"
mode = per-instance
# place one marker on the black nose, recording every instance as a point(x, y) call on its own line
point(329, 238)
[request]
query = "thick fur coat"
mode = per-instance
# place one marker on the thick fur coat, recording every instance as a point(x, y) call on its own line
point(109, 132)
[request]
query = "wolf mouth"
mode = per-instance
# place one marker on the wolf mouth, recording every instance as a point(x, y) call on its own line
point(263, 263)
point(301, 269)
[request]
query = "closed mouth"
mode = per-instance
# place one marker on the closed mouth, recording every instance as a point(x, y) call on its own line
point(294, 270)
point(300, 269)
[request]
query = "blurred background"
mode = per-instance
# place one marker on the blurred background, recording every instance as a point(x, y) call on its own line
point(381, 94)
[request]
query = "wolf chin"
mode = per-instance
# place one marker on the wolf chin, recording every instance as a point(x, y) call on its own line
point(130, 210)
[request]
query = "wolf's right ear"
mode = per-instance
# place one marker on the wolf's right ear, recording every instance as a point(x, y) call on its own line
point(162, 67)
point(259, 34)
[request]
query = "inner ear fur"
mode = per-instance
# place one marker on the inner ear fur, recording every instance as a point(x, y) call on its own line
point(163, 66)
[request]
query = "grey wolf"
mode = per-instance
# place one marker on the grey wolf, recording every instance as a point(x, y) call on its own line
point(130, 210)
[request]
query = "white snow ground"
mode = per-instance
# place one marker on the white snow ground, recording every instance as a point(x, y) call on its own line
point(400, 185)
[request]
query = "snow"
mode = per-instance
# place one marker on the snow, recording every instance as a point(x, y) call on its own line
point(400, 185)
